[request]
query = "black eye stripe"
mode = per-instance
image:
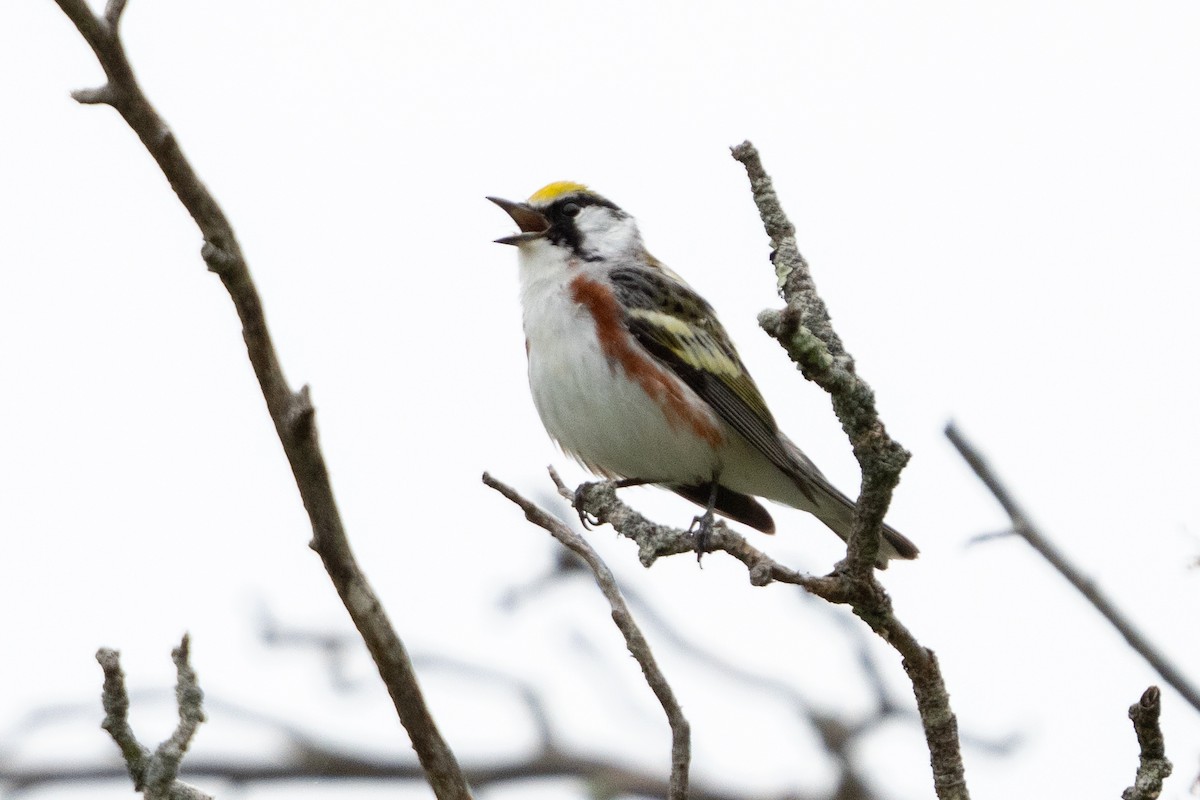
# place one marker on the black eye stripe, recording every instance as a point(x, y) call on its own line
point(563, 230)
point(581, 201)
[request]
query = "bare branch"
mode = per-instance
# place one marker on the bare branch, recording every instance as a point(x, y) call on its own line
point(1153, 766)
point(290, 411)
point(164, 766)
point(654, 541)
point(602, 777)
point(989, 536)
point(153, 775)
point(1024, 528)
point(115, 700)
point(805, 331)
point(112, 13)
point(867, 599)
point(637, 644)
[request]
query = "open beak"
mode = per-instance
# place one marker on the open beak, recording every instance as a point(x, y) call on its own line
point(533, 225)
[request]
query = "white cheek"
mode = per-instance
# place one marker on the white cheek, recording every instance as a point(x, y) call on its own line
point(608, 235)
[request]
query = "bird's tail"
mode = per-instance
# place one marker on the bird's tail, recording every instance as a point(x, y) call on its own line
point(837, 512)
point(829, 505)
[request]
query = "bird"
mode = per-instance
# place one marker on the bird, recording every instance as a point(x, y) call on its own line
point(634, 376)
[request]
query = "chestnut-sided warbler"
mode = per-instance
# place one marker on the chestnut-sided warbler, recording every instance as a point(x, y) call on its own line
point(633, 375)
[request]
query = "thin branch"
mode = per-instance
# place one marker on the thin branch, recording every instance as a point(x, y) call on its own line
point(292, 412)
point(639, 648)
point(599, 777)
point(164, 766)
point(805, 331)
point(1153, 766)
point(115, 700)
point(1024, 528)
point(153, 775)
point(839, 737)
point(868, 600)
point(989, 536)
point(599, 500)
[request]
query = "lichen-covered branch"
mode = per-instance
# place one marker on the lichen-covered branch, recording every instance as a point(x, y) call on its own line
point(867, 599)
point(154, 775)
point(1153, 766)
point(1024, 527)
point(291, 411)
point(806, 332)
point(638, 647)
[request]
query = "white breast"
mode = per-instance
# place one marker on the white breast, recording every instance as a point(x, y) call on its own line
point(589, 406)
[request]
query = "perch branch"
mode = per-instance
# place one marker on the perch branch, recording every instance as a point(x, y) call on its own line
point(639, 648)
point(806, 332)
point(867, 599)
point(1024, 528)
point(291, 411)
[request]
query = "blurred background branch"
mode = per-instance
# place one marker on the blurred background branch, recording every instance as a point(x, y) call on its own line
point(1023, 527)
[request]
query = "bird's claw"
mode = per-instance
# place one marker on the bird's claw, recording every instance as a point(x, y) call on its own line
point(587, 520)
point(702, 528)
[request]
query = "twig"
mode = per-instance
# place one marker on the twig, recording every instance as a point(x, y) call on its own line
point(637, 644)
point(655, 541)
point(292, 412)
point(1024, 528)
point(164, 766)
point(805, 331)
point(1153, 766)
point(153, 775)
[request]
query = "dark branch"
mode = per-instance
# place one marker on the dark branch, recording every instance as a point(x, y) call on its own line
point(290, 411)
point(1153, 766)
point(634, 640)
point(1023, 527)
point(604, 778)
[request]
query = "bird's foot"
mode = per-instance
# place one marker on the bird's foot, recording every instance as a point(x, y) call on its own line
point(703, 524)
point(702, 528)
point(587, 520)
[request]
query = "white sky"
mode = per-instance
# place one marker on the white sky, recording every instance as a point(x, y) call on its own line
point(999, 204)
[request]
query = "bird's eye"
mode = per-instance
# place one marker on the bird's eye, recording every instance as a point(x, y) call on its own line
point(570, 209)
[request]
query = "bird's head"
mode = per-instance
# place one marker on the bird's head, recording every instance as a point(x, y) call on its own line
point(572, 217)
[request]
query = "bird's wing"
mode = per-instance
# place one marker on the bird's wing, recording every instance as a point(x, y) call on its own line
point(681, 331)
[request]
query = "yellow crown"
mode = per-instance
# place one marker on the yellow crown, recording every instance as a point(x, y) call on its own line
point(552, 191)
